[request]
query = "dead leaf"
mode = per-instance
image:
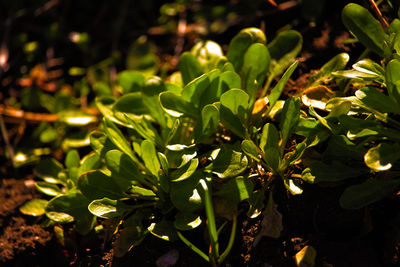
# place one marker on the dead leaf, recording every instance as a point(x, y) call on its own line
point(317, 96)
point(306, 257)
point(271, 223)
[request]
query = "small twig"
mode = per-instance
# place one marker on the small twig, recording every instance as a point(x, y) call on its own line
point(4, 133)
point(375, 8)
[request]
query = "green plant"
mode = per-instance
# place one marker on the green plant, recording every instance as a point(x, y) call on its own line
point(170, 156)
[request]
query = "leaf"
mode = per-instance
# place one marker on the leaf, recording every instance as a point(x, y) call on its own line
point(209, 122)
point(368, 192)
point(185, 195)
point(176, 106)
point(269, 144)
point(241, 42)
point(123, 169)
point(283, 50)
point(289, 119)
point(194, 90)
point(34, 207)
point(306, 257)
point(233, 111)
point(184, 171)
point(48, 189)
point(370, 67)
point(151, 89)
point(48, 169)
point(219, 85)
point(365, 28)
point(208, 53)
point(372, 98)
point(131, 103)
point(393, 80)
point(317, 96)
point(250, 149)
point(227, 163)
point(145, 130)
point(96, 185)
point(76, 118)
point(189, 67)
point(187, 221)
point(149, 157)
point(130, 81)
point(164, 229)
point(320, 172)
point(277, 91)
point(68, 207)
point(272, 222)
point(89, 162)
point(338, 62)
point(118, 139)
point(236, 190)
point(383, 156)
point(255, 67)
point(72, 159)
point(100, 143)
point(107, 208)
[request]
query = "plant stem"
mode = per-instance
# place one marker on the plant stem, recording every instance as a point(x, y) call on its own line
point(193, 247)
point(231, 241)
point(212, 229)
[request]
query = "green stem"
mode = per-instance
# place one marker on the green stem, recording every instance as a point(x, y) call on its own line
point(212, 229)
point(267, 85)
point(231, 241)
point(193, 247)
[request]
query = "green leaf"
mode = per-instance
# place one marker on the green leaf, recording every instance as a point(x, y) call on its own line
point(255, 67)
point(269, 144)
point(48, 135)
point(368, 192)
point(365, 28)
point(283, 50)
point(89, 162)
point(289, 119)
point(236, 190)
point(149, 157)
point(370, 67)
point(76, 118)
point(233, 111)
point(72, 159)
point(208, 53)
point(219, 85)
point(131, 103)
point(338, 62)
point(383, 156)
point(340, 146)
point(241, 42)
point(164, 229)
point(372, 98)
point(67, 208)
point(227, 163)
point(184, 171)
point(34, 207)
point(48, 189)
point(48, 169)
point(277, 91)
point(209, 122)
point(393, 80)
point(176, 106)
point(151, 89)
point(123, 169)
point(185, 194)
point(189, 67)
point(320, 172)
point(100, 143)
point(108, 208)
point(145, 130)
point(194, 90)
point(118, 138)
point(250, 149)
point(187, 221)
point(130, 81)
point(96, 185)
